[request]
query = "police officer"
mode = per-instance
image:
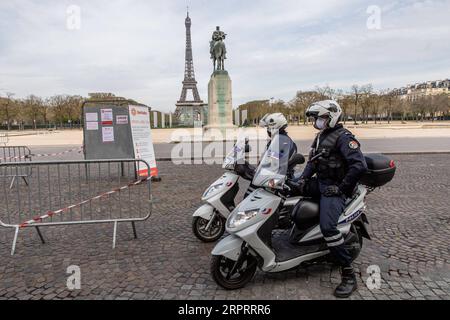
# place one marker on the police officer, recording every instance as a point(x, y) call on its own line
point(275, 123)
point(338, 163)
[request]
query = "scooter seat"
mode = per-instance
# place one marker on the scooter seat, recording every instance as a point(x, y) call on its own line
point(307, 211)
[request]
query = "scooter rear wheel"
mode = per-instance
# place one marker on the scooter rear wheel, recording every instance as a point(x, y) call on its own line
point(213, 234)
point(221, 267)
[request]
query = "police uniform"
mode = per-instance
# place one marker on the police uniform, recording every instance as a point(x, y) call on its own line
point(292, 147)
point(338, 162)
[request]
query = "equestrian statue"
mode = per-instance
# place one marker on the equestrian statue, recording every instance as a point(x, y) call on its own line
point(218, 50)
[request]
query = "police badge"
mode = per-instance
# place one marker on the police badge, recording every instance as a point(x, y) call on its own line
point(353, 144)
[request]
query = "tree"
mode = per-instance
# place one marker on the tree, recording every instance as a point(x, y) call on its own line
point(388, 98)
point(302, 100)
point(45, 111)
point(8, 108)
point(256, 109)
point(376, 105)
point(442, 102)
point(327, 92)
point(33, 108)
point(438, 105)
point(73, 108)
point(356, 94)
point(346, 103)
point(367, 101)
point(58, 104)
point(104, 96)
point(400, 106)
point(419, 107)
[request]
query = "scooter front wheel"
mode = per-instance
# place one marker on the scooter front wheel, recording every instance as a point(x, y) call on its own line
point(230, 276)
point(210, 233)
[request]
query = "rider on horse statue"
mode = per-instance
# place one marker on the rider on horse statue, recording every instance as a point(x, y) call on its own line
point(217, 49)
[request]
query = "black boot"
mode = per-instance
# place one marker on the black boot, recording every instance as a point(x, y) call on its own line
point(348, 283)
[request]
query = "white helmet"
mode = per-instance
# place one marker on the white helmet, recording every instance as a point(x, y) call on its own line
point(325, 108)
point(273, 122)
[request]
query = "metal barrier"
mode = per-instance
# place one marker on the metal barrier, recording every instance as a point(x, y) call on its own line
point(16, 154)
point(75, 192)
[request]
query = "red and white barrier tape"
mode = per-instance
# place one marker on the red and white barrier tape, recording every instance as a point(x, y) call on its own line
point(79, 204)
point(79, 149)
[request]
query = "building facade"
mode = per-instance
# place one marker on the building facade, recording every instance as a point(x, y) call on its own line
point(429, 88)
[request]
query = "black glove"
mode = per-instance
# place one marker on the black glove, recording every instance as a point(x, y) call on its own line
point(298, 186)
point(332, 191)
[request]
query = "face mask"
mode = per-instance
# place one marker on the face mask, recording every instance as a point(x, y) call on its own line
point(320, 123)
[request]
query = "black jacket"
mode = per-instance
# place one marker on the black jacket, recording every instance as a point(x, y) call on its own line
point(349, 149)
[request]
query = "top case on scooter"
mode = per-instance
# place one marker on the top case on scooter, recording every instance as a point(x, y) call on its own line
point(381, 170)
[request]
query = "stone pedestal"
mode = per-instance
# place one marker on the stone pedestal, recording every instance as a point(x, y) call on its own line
point(220, 107)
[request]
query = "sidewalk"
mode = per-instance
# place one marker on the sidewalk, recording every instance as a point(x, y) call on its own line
point(362, 131)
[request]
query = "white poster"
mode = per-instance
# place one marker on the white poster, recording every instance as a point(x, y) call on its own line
point(107, 134)
point(91, 116)
point(91, 125)
point(106, 116)
point(122, 119)
point(142, 138)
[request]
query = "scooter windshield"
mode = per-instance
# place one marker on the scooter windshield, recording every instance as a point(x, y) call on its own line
point(273, 167)
point(236, 155)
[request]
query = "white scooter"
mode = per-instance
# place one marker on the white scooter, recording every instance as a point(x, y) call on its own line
point(208, 222)
point(251, 243)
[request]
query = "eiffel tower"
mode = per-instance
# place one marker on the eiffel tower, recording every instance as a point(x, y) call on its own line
point(189, 112)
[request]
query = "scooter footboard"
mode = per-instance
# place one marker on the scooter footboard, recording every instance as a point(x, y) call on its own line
point(229, 247)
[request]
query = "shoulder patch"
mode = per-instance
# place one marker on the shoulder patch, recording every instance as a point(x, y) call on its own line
point(353, 144)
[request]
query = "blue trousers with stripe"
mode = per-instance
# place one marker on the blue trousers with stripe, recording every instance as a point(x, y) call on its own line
point(331, 209)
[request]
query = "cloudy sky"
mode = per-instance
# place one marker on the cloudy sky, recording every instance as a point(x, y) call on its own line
point(135, 48)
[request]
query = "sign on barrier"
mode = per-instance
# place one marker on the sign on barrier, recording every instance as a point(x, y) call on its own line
point(118, 129)
point(142, 138)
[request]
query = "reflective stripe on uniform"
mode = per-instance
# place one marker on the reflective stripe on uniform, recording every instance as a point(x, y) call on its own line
point(332, 238)
point(336, 243)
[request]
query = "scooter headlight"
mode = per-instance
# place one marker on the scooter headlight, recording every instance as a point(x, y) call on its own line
point(241, 217)
point(212, 190)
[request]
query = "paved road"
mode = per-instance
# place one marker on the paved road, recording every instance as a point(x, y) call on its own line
point(410, 226)
point(165, 150)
